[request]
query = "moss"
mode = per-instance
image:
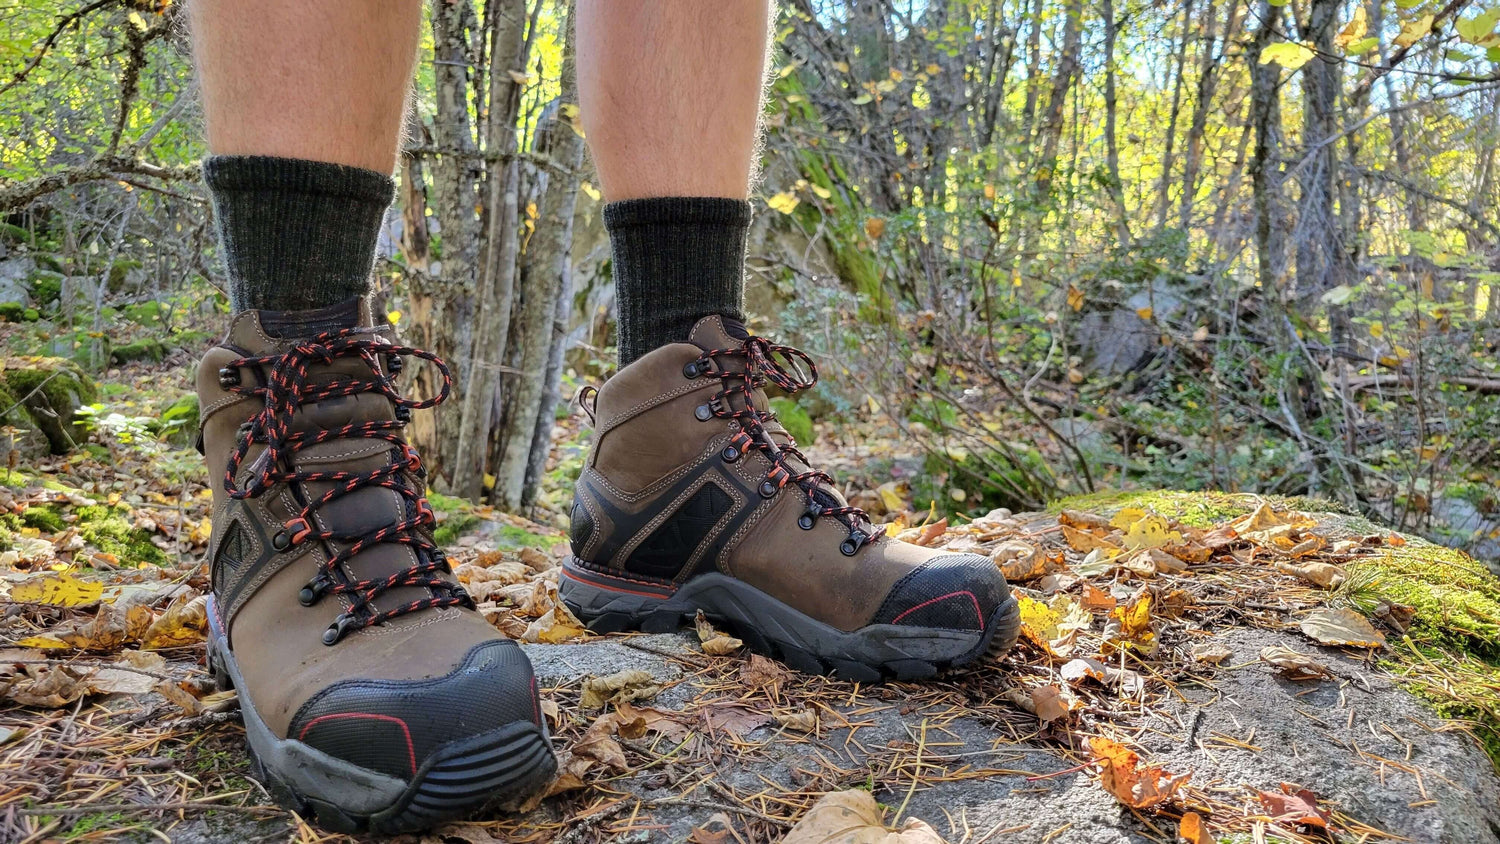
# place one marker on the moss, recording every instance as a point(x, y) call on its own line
point(12, 311)
point(453, 527)
point(148, 349)
point(107, 529)
point(511, 538)
point(180, 418)
point(43, 517)
point(794, 419)
point(1195, 509)
point(46, 287)
point(52, 389)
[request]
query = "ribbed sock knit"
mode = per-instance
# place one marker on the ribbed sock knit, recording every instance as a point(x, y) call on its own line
point(296, 235)
point(676, 260)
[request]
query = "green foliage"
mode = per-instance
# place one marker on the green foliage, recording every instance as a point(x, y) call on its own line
point(108, 529)
point(794, 419)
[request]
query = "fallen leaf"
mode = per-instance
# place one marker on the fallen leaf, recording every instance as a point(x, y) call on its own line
point(1080, 519)
point(1326, 575)
point(1342, 627)
point(802, 720)
point(1085, 541)
point(1052, 626)
point(1097, 599)
point(1143, 529)
point(1294, 665)
point(185, 622)
point(735, 718)
point(629, 685)
point(1211, 653)
point(853, 817)
point(1053, 702)
point(1192, 830)
point(554, 626)
point(1123, 776)
point(1019, 561)
point(1077, 670)
point(57, 590)
point(715, 643)
point(760, 671)
point(1294, 805)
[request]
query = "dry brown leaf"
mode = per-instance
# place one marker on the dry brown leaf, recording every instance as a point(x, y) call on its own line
point(1053, 702)
point(1096, 599)
point(537, 560)
point(737, 719)
point(112, 627)
point(625, 686)
point(853, 817)
point(1342, 627)
point(1019, 561)
point(1294, 805)
point(185, 622)
point(553, 627)
point(1075, 671)
point(1294, 665)
point(760, 671)
point(1193, 830)
point(460, 833)
point(1210, 653)
point(713, 642)
point(1080, 519)
point(1123, 776)
point(801, 720)
point(1085, 541)
point(1326, 575)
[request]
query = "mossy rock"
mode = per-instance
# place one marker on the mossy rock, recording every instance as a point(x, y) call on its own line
point(109, 530)
point(180, 419)
point(46, 287)
point(148, 349)
point(794, 419)
point(1449, 656)
point(51, 390)
point(17, 312)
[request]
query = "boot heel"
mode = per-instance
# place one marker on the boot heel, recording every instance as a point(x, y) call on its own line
point(611, 604)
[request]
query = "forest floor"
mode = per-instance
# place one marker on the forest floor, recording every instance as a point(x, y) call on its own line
point(1193, 665)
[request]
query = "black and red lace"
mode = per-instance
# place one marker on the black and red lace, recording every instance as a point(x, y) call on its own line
point(285, 390)
point(762, 366)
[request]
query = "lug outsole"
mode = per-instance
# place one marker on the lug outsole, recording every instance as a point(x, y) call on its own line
point(500, 769)
point(1000, 633)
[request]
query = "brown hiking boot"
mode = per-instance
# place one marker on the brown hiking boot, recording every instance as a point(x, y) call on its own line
point(695, 498)
point(374, 696)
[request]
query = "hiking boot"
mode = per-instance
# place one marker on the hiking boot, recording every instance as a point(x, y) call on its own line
point(695, 498)
point(374, 696)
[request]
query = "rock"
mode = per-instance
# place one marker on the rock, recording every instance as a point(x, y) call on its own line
point(14, 272)
point(50, 391)
point(1117, 340)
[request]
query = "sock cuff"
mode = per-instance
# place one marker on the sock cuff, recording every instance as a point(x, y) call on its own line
point(247, 173)
point(677, 210)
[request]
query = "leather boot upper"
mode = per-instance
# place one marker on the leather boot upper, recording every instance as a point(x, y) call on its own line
point(430, 669)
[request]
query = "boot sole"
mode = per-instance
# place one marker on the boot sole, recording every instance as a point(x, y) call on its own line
point(870, 654)
point(501, 769)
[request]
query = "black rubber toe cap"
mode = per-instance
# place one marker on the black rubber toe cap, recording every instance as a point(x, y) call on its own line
point(393, 727)
point(952, 592)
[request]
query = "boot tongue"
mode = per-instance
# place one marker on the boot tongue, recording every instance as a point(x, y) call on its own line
point(718, 332)
point(304, 325)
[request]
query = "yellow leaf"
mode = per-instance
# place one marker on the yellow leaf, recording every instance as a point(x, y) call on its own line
point(42, 642)
point(1144, 313)
point(989, 191)
point(891, 496)
point(784, 202)
point(1288, 54)
point(1075, 298)
point(1414, 30)
point(59, 590)
point(393, 317)
point(1353, 30)
point(821, 191)
point(1147, 531)
point(1135, 620)
point(590, 191)
point(875, 227)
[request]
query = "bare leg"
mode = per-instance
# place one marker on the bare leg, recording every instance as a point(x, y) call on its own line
point(324, 80)
point(671, 94)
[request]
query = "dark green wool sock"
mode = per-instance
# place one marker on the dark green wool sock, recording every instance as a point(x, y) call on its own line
point(296, 235)
point(676, 260)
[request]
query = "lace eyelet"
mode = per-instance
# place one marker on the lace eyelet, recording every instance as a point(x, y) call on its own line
point(768, 489)
point(703, 413)
point(281, 541)
point(339, 628)
point(313, 591)
point(730, 454)
point(848, 548)
point(394, 364)
point(691, 370)
point(806, 521)
point(229, 376)
point(403, 414)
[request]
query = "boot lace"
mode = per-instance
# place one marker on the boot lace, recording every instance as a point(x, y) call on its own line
point(285, 391)
point(793, 371)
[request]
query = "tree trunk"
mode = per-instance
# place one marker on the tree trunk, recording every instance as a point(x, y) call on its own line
point(1265, 165)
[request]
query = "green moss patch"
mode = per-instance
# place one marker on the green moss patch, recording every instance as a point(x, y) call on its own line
point(43, 517)
point(456, 525)
point(794, 419)
point(108, 529)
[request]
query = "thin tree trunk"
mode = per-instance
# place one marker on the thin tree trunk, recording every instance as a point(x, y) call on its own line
point(1164, 193)
point(1111, 140)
